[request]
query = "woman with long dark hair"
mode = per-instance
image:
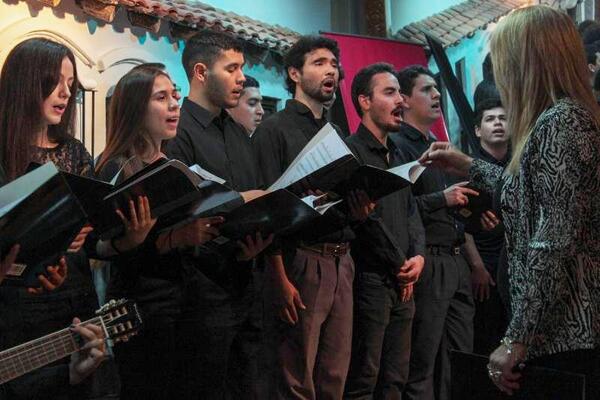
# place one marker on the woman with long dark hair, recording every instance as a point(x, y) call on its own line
point(549, 197)
point(37, 118)
point(144, 111)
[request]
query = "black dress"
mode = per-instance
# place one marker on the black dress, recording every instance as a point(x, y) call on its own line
point(26, 317)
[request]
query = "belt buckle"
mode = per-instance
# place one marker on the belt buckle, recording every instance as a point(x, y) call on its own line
point(456, 250)
point(333, 249)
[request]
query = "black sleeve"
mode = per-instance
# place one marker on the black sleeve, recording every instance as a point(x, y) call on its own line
point(416, 230)
point(268, 149)
point(181, 147)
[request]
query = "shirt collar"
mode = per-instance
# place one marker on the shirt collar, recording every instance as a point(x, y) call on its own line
point(414, 134)
point(371, 141)
point(202, 115)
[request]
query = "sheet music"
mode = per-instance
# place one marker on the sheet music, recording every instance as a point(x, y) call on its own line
point(410, 171)
point(321, 208)
point(326, 147)
point(204, 174)
point(13, 193)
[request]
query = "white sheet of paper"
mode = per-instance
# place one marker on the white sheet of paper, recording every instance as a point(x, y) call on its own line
point(410, 171)
point(324, 148)
point(204, 174)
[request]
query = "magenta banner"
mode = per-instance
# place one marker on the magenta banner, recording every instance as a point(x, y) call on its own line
point(358, 52)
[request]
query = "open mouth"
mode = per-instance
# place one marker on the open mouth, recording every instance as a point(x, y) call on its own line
point(173, 120)
point(329, 84)
point(436, 106)
point(397, 113)
point(60, 108)
point(498, 131)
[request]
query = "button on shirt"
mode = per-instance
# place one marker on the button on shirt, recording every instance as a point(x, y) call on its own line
point(393, 232)
point(440, 227)
point(277, 142)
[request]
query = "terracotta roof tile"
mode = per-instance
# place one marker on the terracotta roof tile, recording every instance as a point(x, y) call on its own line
point(461, 20)
point(197, 15)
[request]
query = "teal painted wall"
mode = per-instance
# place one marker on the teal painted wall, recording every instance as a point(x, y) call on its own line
point(400, 13)
point(473, 50)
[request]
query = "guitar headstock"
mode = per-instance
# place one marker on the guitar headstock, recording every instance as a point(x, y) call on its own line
point(121, 319)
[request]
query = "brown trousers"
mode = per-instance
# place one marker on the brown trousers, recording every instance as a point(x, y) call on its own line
point(314, 355)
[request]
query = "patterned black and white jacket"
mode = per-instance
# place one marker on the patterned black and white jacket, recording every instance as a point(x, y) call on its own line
point(551, 211)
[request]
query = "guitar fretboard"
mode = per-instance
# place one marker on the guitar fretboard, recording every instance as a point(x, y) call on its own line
point(35, 354)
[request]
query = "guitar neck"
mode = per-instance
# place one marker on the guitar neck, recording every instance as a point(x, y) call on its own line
point(35, 354)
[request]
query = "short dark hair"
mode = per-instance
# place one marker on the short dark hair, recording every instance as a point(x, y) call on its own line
point(205, 46)
point(590, 52)
point(583, 26)
point(296, 55)
point(484, 105)
point(250, 82)
point(407, 77)
point(591, 34)
point(362, 82)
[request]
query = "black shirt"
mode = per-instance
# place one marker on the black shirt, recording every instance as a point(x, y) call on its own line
point(217, 144)
point(277, 142)
point(393, 232)
point(489, 243)
point(441, 229)
point(221, 146)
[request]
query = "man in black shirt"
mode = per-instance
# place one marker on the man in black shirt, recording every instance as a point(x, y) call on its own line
point(388, 250)
point(219, 296)
point(483, 247)
point(314, 285)
point(444, 303)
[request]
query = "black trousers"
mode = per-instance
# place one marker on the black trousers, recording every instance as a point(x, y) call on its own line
point(443, 321)
point(490, 323)
point(381, 339)
point(207, 333)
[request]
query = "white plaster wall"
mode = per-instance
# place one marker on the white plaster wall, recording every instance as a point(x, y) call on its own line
point(105, 52)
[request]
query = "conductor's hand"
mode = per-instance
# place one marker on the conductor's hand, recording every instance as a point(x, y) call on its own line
point(445, 156)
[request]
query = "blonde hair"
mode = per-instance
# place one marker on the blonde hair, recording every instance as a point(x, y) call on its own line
point(538, 58)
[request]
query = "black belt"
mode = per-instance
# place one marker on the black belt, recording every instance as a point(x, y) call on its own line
point(449, 250)
point(328, 249)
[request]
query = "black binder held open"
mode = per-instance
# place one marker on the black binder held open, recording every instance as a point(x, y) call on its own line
point(176, 195)
point(328, 165)
point(42, 213)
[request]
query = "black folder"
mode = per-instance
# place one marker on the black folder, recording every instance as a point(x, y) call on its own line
point(279, 212)
point(40, 212)
point(470, 215)
point(470, 381)
point(175, 193)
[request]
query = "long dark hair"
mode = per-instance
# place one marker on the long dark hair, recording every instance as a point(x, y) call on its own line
point(126, 134)
point(29, 75)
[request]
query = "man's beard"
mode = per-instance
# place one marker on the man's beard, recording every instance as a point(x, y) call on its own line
point(217, 94)
point(314, 91)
